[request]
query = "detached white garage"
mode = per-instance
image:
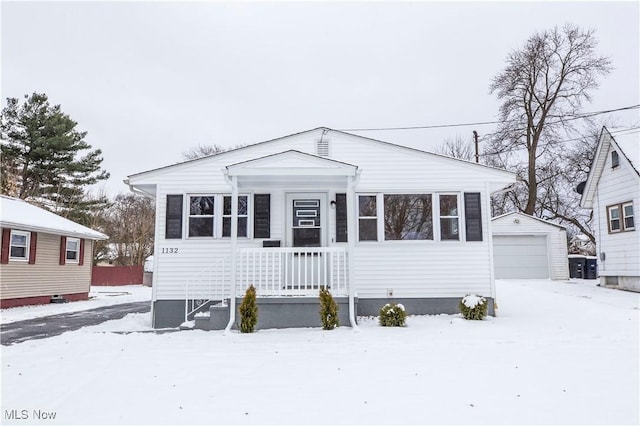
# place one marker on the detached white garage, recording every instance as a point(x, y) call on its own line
point(528, 247)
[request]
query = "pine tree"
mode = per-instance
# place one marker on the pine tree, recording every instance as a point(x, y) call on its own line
point(248, 311)
point(45, 160)
point(328, 310)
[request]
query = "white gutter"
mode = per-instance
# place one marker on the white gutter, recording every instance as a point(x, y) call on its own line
point(351, 237)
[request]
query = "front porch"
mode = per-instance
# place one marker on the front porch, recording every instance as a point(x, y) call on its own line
point(274, 312)
point(287, 282)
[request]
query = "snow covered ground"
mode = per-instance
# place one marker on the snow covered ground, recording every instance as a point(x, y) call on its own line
point(557, 353)
point(98, 296)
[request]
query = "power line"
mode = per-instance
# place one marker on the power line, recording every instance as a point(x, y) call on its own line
point(630, 130)
point(482, 123)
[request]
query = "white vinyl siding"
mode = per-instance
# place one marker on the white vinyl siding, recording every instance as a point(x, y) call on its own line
point(618, 186)
point(421, 268)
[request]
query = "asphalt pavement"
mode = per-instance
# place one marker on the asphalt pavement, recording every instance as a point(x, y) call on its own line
point(53, 325)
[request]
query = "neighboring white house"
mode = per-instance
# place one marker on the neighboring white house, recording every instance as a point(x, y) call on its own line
point(529, 247)
point(373, 221)
point(612, 190)
point(44, 256)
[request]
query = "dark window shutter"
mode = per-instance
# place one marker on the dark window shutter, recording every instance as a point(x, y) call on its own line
point(262, 216)
point(63, 250)
point(33, 246)
point(173, 225)
point(81, 254)
point(6, 238)
point(473, 216)
point(341, 218)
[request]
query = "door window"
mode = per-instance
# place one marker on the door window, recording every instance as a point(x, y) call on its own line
point(306, 223)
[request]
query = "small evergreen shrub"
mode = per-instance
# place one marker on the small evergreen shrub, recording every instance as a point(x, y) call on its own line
point(393, 315)
point(474, 307)
point(328, 310)
point(248, 311)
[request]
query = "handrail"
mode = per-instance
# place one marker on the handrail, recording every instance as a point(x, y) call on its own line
point(206, 286)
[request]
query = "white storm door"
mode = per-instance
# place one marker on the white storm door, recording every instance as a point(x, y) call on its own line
point(307, 267)
point(306, 220)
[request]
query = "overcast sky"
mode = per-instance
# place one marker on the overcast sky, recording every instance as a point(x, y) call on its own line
point(149, 80)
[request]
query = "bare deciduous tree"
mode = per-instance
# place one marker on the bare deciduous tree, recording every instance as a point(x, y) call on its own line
point(130, 226)
point(542, 90)
point(202, 150)
point(457, 148)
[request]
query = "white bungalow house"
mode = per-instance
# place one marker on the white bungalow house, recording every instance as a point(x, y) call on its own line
point(373, 221)
point(612, 190)
point(44, 257)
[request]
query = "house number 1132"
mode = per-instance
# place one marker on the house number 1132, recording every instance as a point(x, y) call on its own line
point(169, 250)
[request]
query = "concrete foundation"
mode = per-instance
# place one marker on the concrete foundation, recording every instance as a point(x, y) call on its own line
point(417, 306)
point(289, 312)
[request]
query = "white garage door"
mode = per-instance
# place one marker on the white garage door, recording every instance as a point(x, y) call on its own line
point(520, 256)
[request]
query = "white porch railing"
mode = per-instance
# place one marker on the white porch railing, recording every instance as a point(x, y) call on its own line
point(292, 271)
point(208, 285)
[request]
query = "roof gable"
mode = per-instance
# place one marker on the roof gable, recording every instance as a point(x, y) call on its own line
point(523, 216)
point(141, 178)
point(627, 146)
point(18, 214)
point(291, 162)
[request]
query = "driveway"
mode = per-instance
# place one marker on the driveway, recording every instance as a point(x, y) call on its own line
point(53, 325)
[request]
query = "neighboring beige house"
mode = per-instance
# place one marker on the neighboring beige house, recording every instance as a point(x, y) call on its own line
point(612, 190)
point(44, 256)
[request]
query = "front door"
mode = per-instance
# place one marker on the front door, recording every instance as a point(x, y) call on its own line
point(306, 220)
point(307, 231)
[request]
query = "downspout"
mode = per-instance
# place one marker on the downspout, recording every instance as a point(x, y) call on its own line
point(234, 243)
point(351, 237)
point(492, 279)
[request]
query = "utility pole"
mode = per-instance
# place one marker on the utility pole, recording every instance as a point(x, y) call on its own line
point(475, 138)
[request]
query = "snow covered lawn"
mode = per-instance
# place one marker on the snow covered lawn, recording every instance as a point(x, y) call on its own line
point(557, 353)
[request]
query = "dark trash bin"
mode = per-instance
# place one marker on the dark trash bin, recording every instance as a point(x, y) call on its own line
point(591, 268)
point(577, 266)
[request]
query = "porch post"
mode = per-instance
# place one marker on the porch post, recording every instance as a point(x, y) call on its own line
point(351, 238)
point(234, 241)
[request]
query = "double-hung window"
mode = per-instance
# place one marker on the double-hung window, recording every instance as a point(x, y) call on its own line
point(367, 218)
point(615, 159)
point(243, 215)
point(449, 217)
point(73, 250)
point(408, 217)
point(620, 217)
point(201, 215)
point(19, 248)
point(627, 216)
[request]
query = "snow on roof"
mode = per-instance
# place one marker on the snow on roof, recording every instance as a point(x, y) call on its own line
point(629, 143)
point(18, 214)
